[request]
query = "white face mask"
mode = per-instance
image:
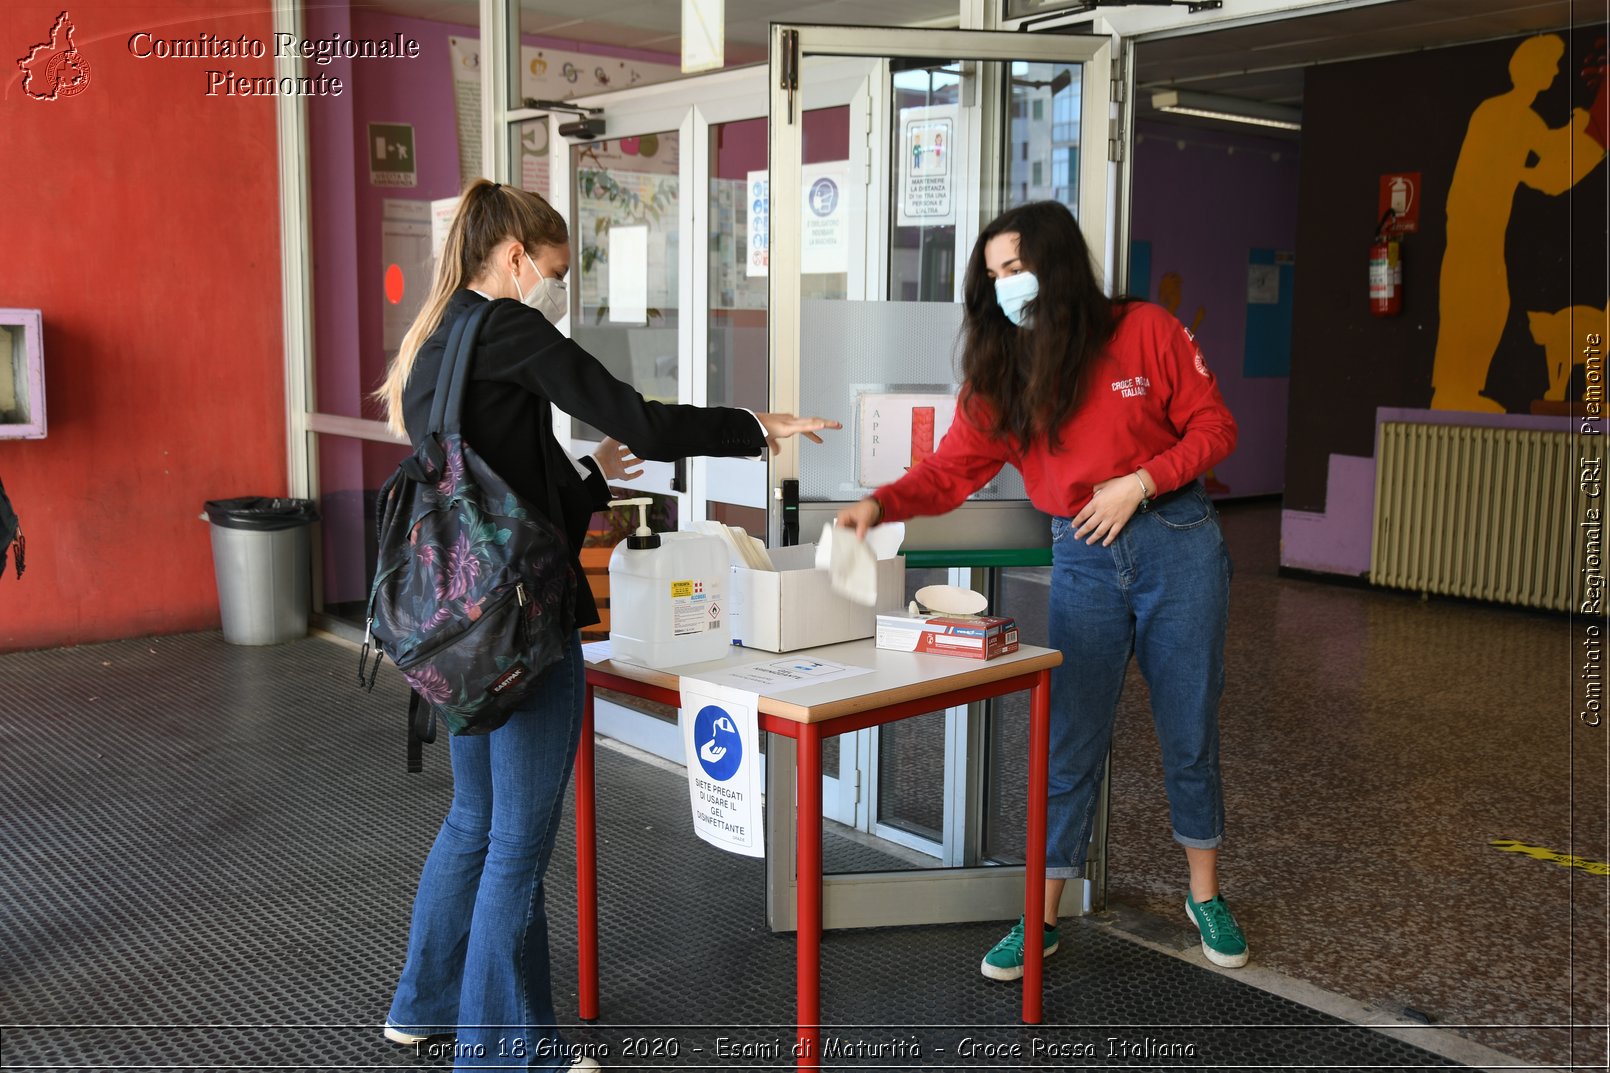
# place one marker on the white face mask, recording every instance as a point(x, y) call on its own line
point(548, 297)
point(1014, 292)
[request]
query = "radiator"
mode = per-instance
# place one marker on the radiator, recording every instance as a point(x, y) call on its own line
point(1476, 512)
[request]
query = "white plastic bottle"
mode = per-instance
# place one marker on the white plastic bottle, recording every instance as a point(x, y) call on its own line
point(668, 596)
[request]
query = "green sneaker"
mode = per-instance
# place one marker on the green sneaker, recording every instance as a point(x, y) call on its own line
point(1005, 959)
point(1222, 940)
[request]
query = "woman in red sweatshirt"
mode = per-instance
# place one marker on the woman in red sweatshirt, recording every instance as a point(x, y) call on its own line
point(1112, 415)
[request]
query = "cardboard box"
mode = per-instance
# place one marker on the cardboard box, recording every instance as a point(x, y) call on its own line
point(794, 607)
point(971, 637)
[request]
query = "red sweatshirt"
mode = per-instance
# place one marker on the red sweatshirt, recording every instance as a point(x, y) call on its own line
point(1150, 402)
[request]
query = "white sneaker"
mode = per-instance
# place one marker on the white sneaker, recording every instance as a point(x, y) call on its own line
point(585, 1063)
point(407, 1039)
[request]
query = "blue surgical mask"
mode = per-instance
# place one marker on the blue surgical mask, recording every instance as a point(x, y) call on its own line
point(1015, 292)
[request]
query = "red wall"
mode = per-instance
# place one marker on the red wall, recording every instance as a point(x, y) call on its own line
point(142, 217)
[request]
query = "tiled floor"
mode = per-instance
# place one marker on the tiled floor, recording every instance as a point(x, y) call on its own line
point(1375, 746)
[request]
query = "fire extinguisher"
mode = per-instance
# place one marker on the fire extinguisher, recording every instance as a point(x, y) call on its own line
point(1386, 271)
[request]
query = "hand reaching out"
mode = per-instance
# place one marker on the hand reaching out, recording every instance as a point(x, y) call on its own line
point(781, 426)
point(615, 460)
point(860, 516)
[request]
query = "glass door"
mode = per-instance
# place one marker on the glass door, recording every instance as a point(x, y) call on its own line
point(687, 166)
point(964, 124)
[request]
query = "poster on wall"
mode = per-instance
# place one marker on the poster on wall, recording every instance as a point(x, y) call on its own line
point(704, 35)
point(465, 53)
point(533, 165)
point(627, 261)
point(1271, 275)
point(406, 265)
point(756, 253)
point(927, 189)
point(732, 286)
point(549, 74)
point(441, 221)
point(896, 430)
point(824, 241)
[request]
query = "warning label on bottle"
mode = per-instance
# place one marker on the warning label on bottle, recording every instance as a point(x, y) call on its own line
point(692, 610)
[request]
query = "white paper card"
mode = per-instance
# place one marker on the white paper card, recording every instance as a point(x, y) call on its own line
point(721, 739)
point(777, 675)
point(704, 34)
point(628, 274)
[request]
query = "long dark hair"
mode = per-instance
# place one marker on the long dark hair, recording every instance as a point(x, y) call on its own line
point(1032, 378)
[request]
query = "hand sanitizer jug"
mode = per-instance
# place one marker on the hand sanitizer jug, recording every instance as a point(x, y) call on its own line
point(668, 596)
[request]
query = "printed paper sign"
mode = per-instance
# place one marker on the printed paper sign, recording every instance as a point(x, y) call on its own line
point(756, 257)
point(721, 740)
point(627, 262)
point(824, 241)
point(790, 672)
point(896, 431)
point(927, 165)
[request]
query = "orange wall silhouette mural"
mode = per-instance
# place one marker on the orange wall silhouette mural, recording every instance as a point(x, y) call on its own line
point(1507, 145)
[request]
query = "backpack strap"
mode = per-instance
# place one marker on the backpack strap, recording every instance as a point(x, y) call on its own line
point(421, 730)
point(448, 406)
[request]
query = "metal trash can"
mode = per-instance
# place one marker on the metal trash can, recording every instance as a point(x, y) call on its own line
point(261, 559)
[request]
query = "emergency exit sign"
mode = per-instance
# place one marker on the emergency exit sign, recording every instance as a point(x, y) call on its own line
point(391, 155)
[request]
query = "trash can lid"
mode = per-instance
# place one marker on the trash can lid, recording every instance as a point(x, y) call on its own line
point(261, 513)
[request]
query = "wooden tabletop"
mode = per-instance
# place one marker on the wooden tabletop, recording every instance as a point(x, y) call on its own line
point(896, 677)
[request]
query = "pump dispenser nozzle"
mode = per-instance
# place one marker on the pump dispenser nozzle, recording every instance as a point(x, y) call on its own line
point(643, 537)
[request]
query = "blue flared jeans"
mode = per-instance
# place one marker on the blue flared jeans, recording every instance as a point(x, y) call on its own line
point(1161, 591)
point(478, 948)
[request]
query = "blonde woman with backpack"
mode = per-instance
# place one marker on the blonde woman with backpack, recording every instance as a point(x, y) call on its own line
point(477, 964)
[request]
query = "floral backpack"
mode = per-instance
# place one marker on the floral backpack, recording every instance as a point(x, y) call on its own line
point(473, 596)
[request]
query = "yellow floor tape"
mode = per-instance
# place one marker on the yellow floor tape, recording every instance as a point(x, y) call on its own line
point(1564, 860)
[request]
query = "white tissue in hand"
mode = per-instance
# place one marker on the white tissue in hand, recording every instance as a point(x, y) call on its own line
point(852, 569)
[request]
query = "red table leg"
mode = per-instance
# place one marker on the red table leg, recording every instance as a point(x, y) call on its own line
point(1034, 851)
point(586, 869)
point(808, 880)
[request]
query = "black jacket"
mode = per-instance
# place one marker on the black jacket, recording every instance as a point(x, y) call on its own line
point(522, 364)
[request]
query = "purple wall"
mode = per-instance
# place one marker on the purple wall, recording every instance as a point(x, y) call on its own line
point(1203, 206)
point(349, 355)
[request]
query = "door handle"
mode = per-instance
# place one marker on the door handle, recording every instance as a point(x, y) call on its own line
point(679, 479)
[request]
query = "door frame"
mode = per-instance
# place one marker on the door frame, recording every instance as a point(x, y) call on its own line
point(690, 107)
point(961, 891)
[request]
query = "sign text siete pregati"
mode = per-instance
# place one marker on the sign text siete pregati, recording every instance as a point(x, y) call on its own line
point(145, 45)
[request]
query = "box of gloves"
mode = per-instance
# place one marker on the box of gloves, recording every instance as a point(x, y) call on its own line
point(972, 637)
point(800, 598)
point(947, 620)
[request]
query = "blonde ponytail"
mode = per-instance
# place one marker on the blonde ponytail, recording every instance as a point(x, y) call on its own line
point(488, 215)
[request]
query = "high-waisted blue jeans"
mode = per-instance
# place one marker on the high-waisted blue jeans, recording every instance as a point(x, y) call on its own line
point(478, 949)
point(1162, 591)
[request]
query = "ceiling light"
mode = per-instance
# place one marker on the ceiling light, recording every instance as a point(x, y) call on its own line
point(1229, 109)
